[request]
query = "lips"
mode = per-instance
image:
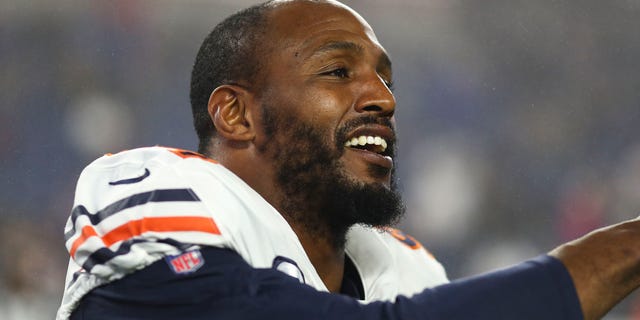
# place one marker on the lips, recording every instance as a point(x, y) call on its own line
point(374, 143)
point(375, 138)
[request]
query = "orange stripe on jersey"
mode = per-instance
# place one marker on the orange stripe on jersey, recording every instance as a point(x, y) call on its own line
point(406, 239)
point(190, 154)
point(87, 232)
point(138, 227)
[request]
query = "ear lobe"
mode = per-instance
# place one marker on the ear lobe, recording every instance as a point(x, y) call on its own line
point(227, 109)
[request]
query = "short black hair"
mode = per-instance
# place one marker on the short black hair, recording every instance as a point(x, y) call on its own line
point(227, 55)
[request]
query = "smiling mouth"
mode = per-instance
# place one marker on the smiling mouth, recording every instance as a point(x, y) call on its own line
point(375, 144)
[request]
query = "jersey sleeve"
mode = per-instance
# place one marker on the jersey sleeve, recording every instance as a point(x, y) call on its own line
point(231, 289)
point(131, 209)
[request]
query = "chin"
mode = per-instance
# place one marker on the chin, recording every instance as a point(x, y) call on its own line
point(371, 175)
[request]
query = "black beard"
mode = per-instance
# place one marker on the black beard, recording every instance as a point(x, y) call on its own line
point(317, 194)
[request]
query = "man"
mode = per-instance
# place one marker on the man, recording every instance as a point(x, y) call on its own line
point(293, 101)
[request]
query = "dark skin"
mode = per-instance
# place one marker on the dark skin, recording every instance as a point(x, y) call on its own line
point(325, 66)
point(604, 266)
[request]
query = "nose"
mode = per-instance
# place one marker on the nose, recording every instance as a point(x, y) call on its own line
point(376, 97)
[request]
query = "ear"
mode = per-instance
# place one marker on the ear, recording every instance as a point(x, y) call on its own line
point(228, 108)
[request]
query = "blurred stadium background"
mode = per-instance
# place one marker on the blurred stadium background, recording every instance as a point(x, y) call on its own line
point(518, 120)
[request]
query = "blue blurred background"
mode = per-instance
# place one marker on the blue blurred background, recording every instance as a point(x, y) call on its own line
point(518, 120)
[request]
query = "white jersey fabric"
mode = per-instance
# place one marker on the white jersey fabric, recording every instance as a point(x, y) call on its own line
point(138, 206)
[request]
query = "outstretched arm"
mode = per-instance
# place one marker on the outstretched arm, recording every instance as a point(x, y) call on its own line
point(604, 266)
point(226, 287)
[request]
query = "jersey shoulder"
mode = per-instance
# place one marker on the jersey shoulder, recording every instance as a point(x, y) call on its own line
point(391, 262)
point(138, 198)
point(410, 253)
point(124, 167)
point(116, 176)
point(138, 206)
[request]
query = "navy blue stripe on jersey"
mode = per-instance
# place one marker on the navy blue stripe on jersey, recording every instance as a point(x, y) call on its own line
point(160, 195)
point(103, 255)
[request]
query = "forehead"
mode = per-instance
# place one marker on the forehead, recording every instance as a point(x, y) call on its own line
point(307, 25)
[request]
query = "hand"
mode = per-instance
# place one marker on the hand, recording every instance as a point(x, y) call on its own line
point(604, 265)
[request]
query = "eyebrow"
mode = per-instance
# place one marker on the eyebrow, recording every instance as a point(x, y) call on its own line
point(383, 60)
point(339, 45)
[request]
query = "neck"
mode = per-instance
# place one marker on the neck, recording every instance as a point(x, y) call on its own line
point(326, 256)
point(322, 238)
point(322, 242)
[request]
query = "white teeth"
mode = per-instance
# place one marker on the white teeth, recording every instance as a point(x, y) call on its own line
point(363, 140)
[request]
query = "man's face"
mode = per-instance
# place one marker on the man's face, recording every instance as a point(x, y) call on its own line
point(328, 70)
point(328, 116)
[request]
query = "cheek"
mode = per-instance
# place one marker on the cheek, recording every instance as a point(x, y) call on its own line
point(322, 108)
point(327, 108)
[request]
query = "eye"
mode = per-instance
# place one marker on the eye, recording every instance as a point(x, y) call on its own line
point(339, 73)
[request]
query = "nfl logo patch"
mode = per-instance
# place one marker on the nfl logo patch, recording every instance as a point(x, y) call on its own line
point(185, 263)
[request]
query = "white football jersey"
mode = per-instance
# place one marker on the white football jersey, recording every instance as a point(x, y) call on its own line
point(138, 206)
